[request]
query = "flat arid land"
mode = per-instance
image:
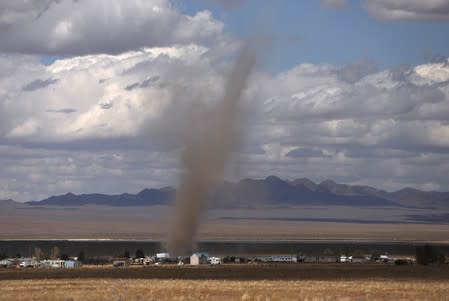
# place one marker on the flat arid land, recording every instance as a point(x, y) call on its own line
point(230, 282)
point(270, 222)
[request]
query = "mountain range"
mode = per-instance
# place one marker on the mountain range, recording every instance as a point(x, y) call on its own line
point(271, 190)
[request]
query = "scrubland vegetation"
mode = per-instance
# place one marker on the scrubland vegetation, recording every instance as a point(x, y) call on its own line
point(140, 289)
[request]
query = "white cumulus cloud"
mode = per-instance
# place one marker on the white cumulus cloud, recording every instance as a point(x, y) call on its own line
point(69, 27)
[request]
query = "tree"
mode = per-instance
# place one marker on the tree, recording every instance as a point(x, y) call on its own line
point(81, 257)
point(55, 252)
point(37, 253)
point(44, 255)
point(375, 256)
point(328, 252)
point(140, 253)
point(126, 254)
point(358, 252)
point(64, 257)
point(427, 254)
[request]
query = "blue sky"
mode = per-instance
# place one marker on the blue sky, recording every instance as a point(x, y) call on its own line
point(309, 33)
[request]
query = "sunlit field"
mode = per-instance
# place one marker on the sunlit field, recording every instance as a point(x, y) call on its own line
point(139, 289)
point(229, 282)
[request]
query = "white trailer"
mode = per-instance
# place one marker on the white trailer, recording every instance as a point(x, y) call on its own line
point(215, 260)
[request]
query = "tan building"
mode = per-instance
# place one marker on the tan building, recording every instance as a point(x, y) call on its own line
point(199, 258)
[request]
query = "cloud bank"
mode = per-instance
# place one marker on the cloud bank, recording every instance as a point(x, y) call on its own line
point(409, 10)
point(70, 27)
point(111, 116)
point(89, 131)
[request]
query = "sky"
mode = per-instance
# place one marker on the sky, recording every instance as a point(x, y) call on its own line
point(102, 96)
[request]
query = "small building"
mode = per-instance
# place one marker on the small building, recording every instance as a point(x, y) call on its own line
point(199, 258)
point(282, 258)
point(138, 261)
point(328, 259)
point(7, 263)
point(310, 259)
point(385, 259)
point(149, 260)
point(29, 263)
point(120, 262)
point(163, 258)
point(72, 264)
point(53, 263)
point(344, 259)
point(359, 259)
point(215, 260)
point(160, 256)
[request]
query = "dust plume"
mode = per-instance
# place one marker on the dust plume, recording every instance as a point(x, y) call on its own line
point(206, 155)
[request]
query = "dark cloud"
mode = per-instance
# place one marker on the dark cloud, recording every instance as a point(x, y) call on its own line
point(374, 151)
point(149, 82)
point(39, 84)
point(106, 106)
point(414, 138)
point(20, 11)
point(63, 111)
point(405, 10)
point(132, 86)
point(144, 84)
point(93, 145)
point(305, 152)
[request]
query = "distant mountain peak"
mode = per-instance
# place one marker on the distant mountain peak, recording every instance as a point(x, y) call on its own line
point(306, 183)
point(273, 179)
point(271, 190)
point(409, 189)
point(8, 201)
point(328, 183)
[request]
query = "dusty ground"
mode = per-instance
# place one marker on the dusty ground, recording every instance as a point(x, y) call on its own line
point(141, 289)
point(97, 222)
point(229, 282)
point(243, 272)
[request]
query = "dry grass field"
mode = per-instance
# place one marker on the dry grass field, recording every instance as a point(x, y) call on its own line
point(142, 289)
point(229, 282)
point(242, 272)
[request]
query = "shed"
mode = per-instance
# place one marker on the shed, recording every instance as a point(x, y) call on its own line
point(7, 263)
point(72, 264)
point(359, 259)
point(120, 262)
point(328, 259)
point(162, 255)
point(199, 258)
point(53, 263)
point(215, 260)
point(282, 258)
point(310, 259)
